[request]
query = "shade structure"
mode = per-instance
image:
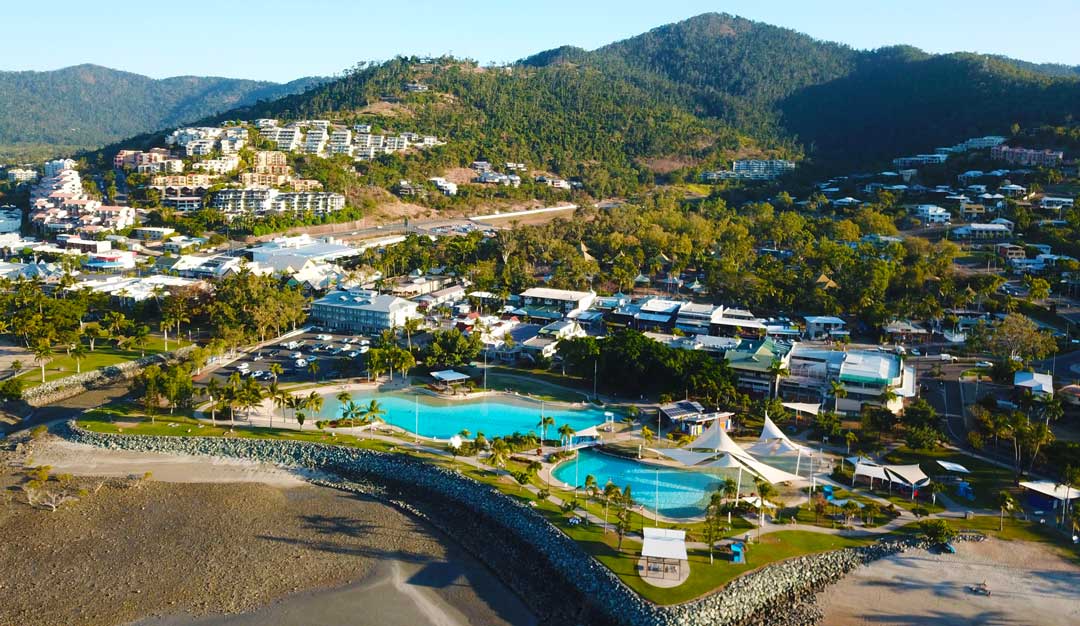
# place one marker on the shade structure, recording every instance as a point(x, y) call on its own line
point(664, 543)
point(773, 441)
point(688, 458)
point(726, 461)
point(717, 440)
point(1049, 488)
point(769, 473)
point(756, 502)
point(911, 475)
point(954, 467)
point(870, 470)
point(803, 407)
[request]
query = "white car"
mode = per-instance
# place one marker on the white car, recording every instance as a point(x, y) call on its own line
point(364, 349)
point(257, 357)
point(323, 337)
point(984, 364)
point(243, 367)
point(300, 363)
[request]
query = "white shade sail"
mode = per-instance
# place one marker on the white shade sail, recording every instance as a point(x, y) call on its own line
point(954, 467)
point(773, 441)
point(871, 470)
point(688, 458)
point(664, 543)
point(1048, 488)
point(911, 475)
point(803, 407)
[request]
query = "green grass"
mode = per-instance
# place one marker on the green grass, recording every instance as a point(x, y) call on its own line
point(124, 419)
point(986, 479)
point(105, 354)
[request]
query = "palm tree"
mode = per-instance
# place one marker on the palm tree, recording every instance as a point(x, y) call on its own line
point(887, 395)
point(765, 492)
point(213, 392)
point(566, 434)
point(850, 438)
point(411, 326)
point(42, 353)
point(273, 394)
point(300, 417)
point(611, 490)
point(373, 412)
point(313, 367)
point(232, 397)
point(778, 371)
point(314, 403)
point(500, 452)
point(545, 421)
point(1005, 502)
point(838, 393)
point(275, 370)
point(343, 398)
point(78, 352)
point(591, 489)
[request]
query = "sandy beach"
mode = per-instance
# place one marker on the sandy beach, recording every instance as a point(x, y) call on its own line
point(228, 542)
point(1030, 584)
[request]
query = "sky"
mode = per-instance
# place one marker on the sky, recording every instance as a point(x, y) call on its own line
point(284, 39)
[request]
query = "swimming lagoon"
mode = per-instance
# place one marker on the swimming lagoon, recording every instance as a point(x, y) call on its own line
point(495, 415)
point(682, 493)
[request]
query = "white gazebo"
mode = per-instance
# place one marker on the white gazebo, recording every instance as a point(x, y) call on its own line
point(663, 553)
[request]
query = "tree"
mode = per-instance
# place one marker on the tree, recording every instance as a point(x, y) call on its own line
point(314, 403)
point(591, 489)
point(373, 412)
point(1018, 338)
point(611, 491)
point(1006, 503)
point(836, 388)
point(42, 353)
point(411, 325)
point(777, 370)
point(500, 452)
point(313, 367)
point(647, 435)
point(624, 503)
point(714, 529)
point(870, 512)
point(78, 353)
point(849, 439)
point(213, 392)
point(543, 424)
point(566, 434)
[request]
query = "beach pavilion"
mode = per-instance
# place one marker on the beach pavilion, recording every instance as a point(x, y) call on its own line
point(910, 476)
point(445, 380)
point(664, 552)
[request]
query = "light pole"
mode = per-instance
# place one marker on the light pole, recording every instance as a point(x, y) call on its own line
point(416, 418)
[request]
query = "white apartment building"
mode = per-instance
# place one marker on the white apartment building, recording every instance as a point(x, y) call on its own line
point(315, 141)
point(20, 175)
point(243, 200)
point(220, 165)
point(341, 142)
point(54, 167)
point(317, 202)
point(199, 147)
point(932, 214)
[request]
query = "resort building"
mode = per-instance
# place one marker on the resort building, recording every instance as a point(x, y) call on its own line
point(542, 302)
point(865, 376)
point(692, 418)
point(752, 363)
point(361, 310)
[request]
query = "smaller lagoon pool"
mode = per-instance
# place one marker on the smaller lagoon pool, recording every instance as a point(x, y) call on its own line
point(495, 416)
point(682, 494)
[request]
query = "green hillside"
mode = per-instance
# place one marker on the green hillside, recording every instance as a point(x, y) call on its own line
point(88, 105)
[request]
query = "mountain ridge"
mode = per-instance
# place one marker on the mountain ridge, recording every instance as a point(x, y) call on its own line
point(89, 105)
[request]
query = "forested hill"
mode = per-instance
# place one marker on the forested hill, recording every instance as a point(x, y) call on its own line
point(689, 96)
point(88, 105)
point(842, 105)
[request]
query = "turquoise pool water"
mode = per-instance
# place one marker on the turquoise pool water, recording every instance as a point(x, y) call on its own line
point(683, 493)
point(494, 416)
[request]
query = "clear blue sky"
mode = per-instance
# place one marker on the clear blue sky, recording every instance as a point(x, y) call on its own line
point(281, 40)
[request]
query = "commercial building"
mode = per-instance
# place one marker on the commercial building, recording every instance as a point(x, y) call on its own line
point(1028, 157)
point(555, 303)
point(361, 310)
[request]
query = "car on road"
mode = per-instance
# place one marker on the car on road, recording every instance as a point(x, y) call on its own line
point(916, 352)
point(984, 364)
point(323, 337)
point(948, 358)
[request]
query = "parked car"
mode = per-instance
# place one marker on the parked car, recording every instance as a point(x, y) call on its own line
point(243, 367)
point(984, 364)
point(257, 357)
point(323, 337)
point(299, 363)
point(948, 358)
point(916, 352)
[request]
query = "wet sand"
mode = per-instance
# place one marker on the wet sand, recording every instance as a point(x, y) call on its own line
point(268, 550)
point(1029, 583)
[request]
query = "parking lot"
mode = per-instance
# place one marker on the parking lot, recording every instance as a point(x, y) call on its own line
point(329, 351)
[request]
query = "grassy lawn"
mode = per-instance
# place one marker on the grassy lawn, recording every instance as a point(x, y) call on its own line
point(986, 479)
point(106, 353)
point(126, 420)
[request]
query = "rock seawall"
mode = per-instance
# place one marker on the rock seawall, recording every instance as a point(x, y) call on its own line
point(561, 583)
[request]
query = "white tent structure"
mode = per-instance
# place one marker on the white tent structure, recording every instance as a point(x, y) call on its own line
point(664, 550)
point(716, 440)
point(685, 457)
point(1048, 488)
point(910, 475)
point(773, 442)
point(803, 407)
point(954, 467)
